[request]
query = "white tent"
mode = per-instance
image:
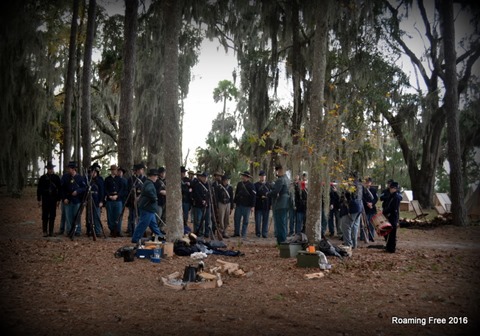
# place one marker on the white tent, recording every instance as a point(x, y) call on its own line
point(443, 203)
point(406, 203)
point(473, 205)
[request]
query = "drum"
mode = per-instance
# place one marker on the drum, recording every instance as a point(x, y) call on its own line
point(381, 224)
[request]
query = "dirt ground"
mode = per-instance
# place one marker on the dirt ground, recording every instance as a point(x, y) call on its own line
point(56, 286)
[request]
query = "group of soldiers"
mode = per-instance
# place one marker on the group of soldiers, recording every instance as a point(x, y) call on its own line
point(91, 192)
point(208, 203)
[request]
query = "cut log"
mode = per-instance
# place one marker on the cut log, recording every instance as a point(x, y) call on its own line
point(174, 275)
point(207, 276)
point(200, 285)
point(239, 273)
point(228, 267)
point(166, 283)
point(314, 275)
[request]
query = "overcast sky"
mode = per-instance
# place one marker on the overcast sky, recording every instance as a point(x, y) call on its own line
point(214, 65)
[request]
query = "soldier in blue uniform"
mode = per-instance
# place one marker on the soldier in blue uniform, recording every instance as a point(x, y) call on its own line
point(73, 187)
point(262, 205)
point(121, 174)
point(201, 205)
point(48, 197)
point(244, 199)
point(135, 183)
point(113, 202)
point(224, 197)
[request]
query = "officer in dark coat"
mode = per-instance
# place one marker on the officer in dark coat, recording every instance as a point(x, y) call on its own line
point(121, 174)
point(113, 202)
point(48, 197)
point(201, 201)
point(97, 191)
point(370, 210)
point(392, 212)
point(186, 194)
point(262, 205)
point(224, 196)
point(244, 204)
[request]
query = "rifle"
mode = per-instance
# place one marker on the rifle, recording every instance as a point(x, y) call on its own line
point(128, 196)
point(214, 214)
point(130, 193)
point(76, 219)
point(364, 226)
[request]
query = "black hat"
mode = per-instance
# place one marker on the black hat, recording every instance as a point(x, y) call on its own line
point(95, 167)
point(50, 165)
point(161, 170)
point(182, 169)
point(225, 177)
point(152, 172)
point(394, 185)
point(204, 174)
point(278, 167)
point(72, 164)
point(122, 169)
point(246, 173)
point(139, 166)
point(262, 173)
point(368, 179)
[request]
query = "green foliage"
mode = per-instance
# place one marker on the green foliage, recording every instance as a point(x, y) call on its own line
point(442, 180)
point(225, 90)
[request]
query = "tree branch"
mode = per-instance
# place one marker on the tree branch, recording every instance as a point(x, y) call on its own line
point(405, 48)
point(104, 128)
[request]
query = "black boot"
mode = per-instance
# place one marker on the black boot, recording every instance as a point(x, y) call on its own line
point(51, 224)
point(44, 227)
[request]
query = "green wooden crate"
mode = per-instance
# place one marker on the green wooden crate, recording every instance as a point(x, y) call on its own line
point(289, 250)
point(306, 259)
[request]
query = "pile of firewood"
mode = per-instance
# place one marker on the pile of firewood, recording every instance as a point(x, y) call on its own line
point(421, 224)
point(206, 279)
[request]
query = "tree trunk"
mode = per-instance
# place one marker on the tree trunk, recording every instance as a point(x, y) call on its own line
point(67, 108)
point(296, 73)
point(423, 178)
point(171, 125)
point(314, 211)
point(297, 77)
point(125, 135)
point(86, 77)
point(451, 108)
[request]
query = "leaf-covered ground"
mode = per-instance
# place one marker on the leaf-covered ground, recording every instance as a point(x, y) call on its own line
point(55, 286)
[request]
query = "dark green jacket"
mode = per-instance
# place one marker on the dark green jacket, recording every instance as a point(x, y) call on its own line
point(280, 193)
point(148, 197)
